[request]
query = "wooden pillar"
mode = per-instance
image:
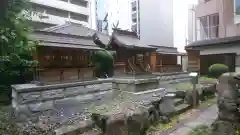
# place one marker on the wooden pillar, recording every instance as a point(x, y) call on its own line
point(35, 70)
point(193, 60)
point(153, 61)
point(181, 62)
point(161, 62)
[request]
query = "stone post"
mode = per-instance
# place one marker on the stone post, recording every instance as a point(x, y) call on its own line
point(227, 100)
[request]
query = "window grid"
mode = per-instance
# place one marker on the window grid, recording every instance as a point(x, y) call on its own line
point(208, 27)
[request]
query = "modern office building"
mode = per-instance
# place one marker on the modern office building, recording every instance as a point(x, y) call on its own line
point(153, 21)
point(102, 16)
point(217, 19)
point(119, 14)
point(135, 16)
point(191, 29)
point(54, 12)
point(217, 35)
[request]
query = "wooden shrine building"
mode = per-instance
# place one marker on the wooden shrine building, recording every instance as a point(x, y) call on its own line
point(64, 52)
point(202, 54)
point(132, 56)
point(165, 59)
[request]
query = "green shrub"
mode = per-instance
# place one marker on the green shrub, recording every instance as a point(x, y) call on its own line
point(217, 70)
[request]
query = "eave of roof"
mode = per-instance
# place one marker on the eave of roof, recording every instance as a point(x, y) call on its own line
point(66, 45)
point(213, 42)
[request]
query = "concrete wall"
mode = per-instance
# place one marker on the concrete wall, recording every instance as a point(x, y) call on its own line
point(156, 22)
point(66, 7)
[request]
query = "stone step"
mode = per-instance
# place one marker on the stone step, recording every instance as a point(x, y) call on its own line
point(178, 101)
point(180, 109)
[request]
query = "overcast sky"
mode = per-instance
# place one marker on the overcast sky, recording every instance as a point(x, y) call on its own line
point(180, 9)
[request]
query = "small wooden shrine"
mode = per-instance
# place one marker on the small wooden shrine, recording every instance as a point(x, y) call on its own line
point(64, 52)
point(132, 56)
point(165, 60)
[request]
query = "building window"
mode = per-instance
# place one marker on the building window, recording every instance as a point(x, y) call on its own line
point(79, 17)
point(37, 8)
point(134, 15)
point(206, 0)
point(202, 1)
point(64, 0)
point(134, 28)
point(82, 3)
point(56, 12)
point(134, 4)
point(134, 20)
point(208, 27)
point(100, 25)
point(134, 9)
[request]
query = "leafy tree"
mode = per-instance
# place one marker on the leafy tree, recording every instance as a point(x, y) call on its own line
point(103, 62)
point(16, 49)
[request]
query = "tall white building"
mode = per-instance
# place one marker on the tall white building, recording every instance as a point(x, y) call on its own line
point(135, 12)
point(55, 12)
point(119, 14)
point(153, 20)
point(102, 16)
point(191, 24)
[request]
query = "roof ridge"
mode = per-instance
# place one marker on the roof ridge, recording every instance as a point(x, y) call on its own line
point(53, 28)
point(68, 35)
point(125, 33)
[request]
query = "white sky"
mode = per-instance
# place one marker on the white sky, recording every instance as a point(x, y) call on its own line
point(180, 9)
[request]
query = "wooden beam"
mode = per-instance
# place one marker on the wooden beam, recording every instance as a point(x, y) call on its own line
point(153, 61)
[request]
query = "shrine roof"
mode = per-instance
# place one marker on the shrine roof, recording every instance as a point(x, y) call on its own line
point(63, 40)
point(78, 30)
point(234, 40)
point(129, 40)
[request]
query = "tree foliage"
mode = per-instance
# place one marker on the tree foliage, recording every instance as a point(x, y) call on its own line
point(16, 49)
point(14, 28)
point(103, 62)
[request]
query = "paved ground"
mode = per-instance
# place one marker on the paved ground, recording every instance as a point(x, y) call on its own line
point(207, 117)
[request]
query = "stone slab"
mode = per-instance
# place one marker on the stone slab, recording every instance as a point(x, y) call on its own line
point(41, 106)
point(181, 131)
point(52, 94)
point(194, 124)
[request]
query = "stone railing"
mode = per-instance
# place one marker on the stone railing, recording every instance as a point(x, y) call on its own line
point(28, 99)
point(175, 77)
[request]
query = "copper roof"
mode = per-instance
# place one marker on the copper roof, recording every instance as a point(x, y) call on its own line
point(70, 34)
point(63, 40)
point(129, 40)
point(79, 30)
